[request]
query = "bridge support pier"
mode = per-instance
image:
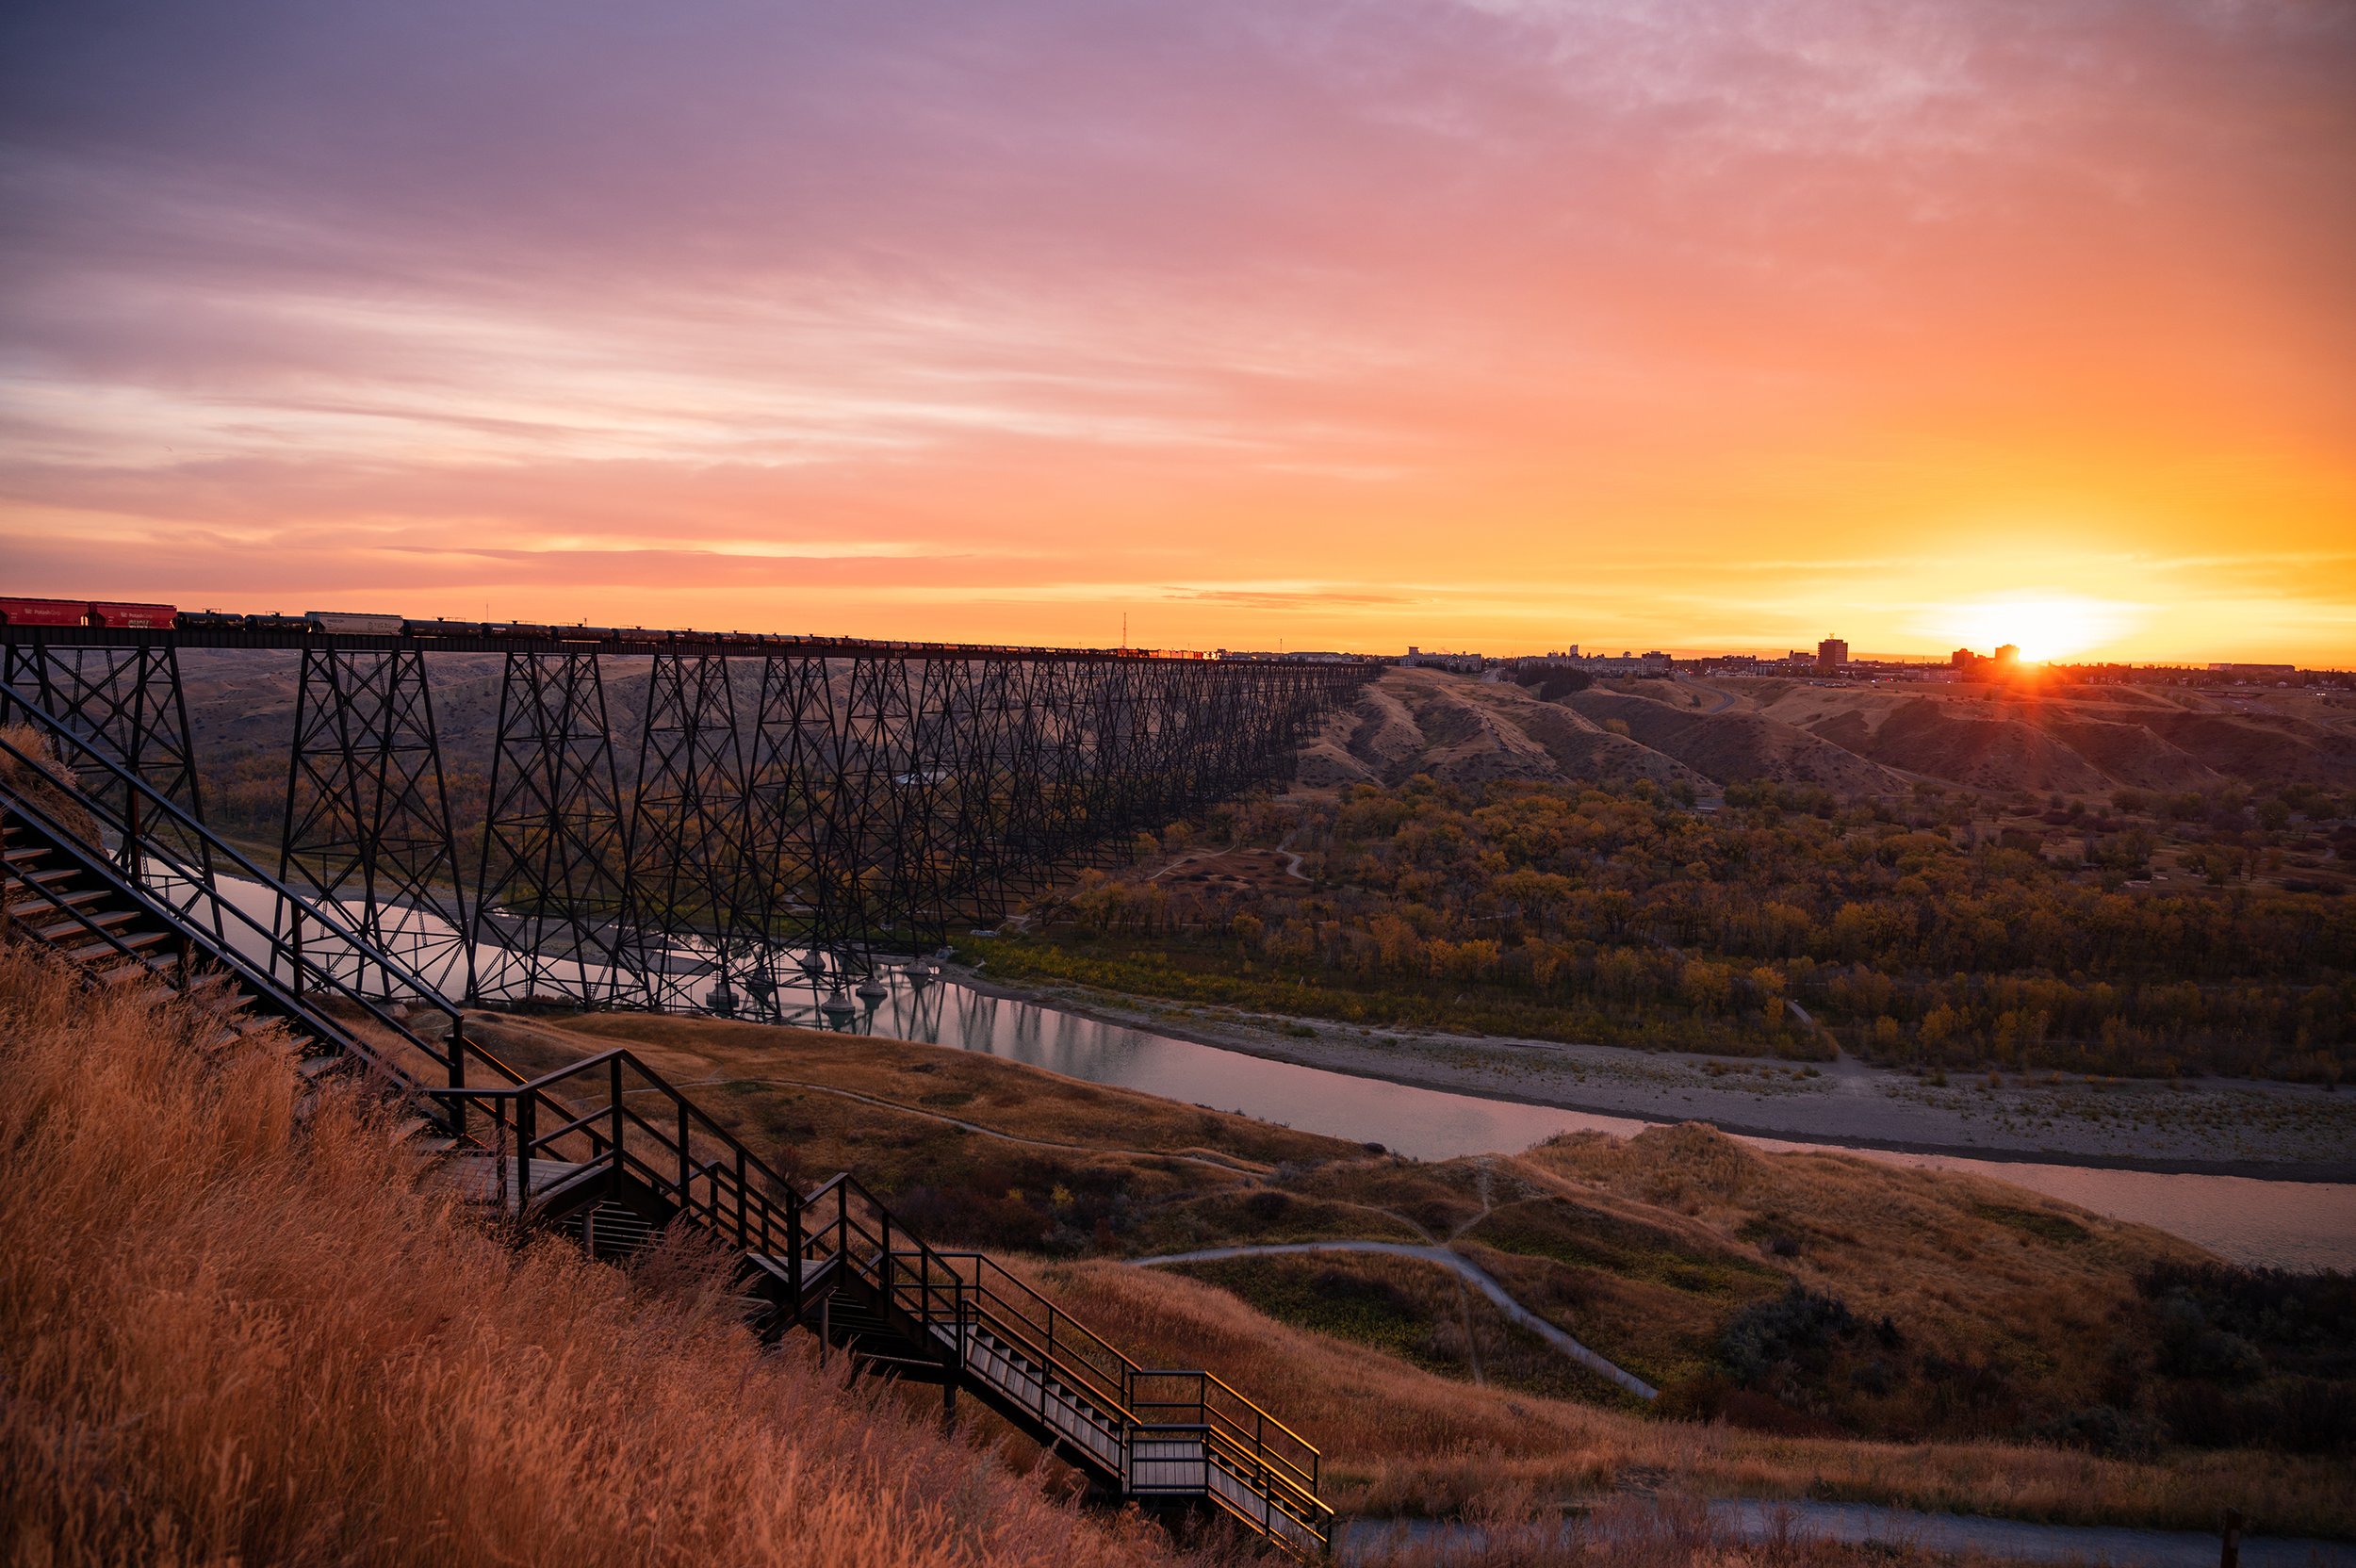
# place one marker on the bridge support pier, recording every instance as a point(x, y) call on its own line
point(688, 859)
point(368, 813)
point(127, 701)
point(552, 906)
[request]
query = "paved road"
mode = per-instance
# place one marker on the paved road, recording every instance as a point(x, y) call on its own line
point(1473, 1274)
point(2014, 1540)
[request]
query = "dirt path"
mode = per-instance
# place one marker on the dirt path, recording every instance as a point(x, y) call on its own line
point(1472, 1273)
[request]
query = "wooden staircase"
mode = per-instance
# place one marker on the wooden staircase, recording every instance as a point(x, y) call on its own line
point(604, 1150)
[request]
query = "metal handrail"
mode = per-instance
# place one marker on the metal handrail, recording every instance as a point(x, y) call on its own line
point(200, 878)
point(92, 862)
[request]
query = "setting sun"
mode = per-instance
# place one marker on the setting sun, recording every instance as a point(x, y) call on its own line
point(2042, 625)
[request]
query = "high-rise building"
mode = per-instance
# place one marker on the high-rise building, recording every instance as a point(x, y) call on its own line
point(1831, 654)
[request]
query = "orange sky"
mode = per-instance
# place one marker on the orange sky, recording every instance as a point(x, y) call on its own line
point(1492, 323)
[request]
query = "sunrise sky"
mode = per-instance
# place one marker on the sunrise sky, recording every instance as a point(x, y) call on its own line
point(1344, 323)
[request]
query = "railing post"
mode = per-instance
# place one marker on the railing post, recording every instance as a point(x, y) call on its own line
point(527, 1133)
point(794, 1259)
point(613, 1082)
point(682, 1156)
point(457, 1073)
point(741, 1192)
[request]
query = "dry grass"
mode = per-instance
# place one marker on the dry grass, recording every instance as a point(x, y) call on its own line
point(1399, 1440)
point(1972, 1269)
point(225, 1338)
point(932, 1081)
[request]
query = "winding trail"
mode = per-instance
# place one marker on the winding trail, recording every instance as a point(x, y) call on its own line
point(1472, 1273)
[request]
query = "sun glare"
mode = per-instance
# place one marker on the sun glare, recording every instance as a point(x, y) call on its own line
point(2042, 625)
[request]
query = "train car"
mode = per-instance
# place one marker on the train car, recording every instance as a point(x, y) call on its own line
point(355, 624)
point(519, 628)
point(641, 634)
point(211, 620)
point(134, 618)
point(276, 623)
point(439, 628)
point(45, 611)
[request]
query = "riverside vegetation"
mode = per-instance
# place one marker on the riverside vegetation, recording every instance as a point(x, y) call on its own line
point(1927, 933)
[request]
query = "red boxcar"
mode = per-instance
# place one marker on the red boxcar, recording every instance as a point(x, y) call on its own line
point(45, 611)
point(134, 617)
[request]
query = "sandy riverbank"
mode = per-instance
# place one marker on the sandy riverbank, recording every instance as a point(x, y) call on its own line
point(2218, 1127)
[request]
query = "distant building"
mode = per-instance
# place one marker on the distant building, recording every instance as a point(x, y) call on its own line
point(2254, 669)
point(1462, 664)
point(1831, 654)
point(2008, 654)
point(1626, 663)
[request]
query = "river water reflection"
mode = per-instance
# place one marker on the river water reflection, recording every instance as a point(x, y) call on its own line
point(2285, 1224)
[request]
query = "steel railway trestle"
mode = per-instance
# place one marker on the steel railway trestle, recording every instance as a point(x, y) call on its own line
point(106, 865)
point(773, 813)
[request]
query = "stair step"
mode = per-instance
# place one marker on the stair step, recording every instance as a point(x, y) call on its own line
point(319, 1067)
point(122, 974)
point(103, 921)
point(103, 950)
point(30, 908)
point(27, 856)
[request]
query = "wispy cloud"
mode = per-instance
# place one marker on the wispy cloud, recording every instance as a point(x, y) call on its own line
point(1515, 320)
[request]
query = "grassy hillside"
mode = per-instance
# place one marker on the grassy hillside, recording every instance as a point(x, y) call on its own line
point(1851, 739)
point(225, 1338)
point(1820, 1325)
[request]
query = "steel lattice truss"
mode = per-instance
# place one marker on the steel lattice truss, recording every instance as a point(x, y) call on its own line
point(768, 817)
point(367, 811)
point(689, 862)
point(552, 906)
point(127, 702)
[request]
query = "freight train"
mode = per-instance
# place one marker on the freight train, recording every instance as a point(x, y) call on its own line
point(344, 623)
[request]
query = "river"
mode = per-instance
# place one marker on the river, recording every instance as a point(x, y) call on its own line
point(2302, 1225)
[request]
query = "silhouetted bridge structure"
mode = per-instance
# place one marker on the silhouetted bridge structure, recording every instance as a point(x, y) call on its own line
point(107, 863)
point(774, 811)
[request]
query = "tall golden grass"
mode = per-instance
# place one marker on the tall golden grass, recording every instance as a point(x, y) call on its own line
point(228, 1335)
